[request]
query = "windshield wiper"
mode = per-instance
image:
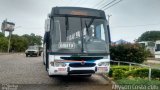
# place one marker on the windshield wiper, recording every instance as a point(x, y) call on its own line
point(66, 24)
point(88, 26)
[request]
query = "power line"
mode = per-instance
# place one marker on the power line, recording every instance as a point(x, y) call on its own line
point(108, 4)
point(113, 4)
point(98, 3)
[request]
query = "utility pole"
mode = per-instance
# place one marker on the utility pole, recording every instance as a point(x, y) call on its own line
point(108, 18)
point(9, 41)
point(109, 28)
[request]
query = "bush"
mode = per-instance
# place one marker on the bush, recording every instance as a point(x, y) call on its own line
point(155, 73)
point(118, 74)
point(128, 53)
point(141, 72)
point(124, 68)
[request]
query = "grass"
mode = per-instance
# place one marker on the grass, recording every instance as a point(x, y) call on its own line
point(136, 81)
point(137, 84)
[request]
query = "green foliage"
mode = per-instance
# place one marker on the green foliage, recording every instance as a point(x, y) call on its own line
point(118, 74)
point(33, 39)
point(3, 44)
point(143, 73)
point(150, 36)
point(19, 43)
point(128, 52)
point(124, 68)
point(1, 34)
point(137, 81)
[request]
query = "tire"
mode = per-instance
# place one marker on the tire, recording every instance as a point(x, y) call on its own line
point(26, 55)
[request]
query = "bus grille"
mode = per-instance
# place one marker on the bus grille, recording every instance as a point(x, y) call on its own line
point(82, 65)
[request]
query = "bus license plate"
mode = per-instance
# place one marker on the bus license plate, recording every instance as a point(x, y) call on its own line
point(61, 69)
point(102, 69)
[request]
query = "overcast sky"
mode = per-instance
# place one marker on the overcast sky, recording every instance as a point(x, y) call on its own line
point(130, 18)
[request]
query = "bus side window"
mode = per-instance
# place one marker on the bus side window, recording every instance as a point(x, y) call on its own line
point(99, 32)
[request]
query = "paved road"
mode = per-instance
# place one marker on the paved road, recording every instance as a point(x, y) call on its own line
point(28, 73)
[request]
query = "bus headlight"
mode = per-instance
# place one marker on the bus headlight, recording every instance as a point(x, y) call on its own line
point(59, 64)
point(103, 64)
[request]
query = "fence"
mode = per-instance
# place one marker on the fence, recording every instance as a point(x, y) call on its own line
point(142, 65)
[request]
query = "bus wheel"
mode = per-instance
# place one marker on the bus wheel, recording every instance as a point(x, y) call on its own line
point(26, 55)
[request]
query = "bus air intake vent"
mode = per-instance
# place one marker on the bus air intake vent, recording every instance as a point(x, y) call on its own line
point(82, 65)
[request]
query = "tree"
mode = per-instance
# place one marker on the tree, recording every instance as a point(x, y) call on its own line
point(150, 36)
point(1, 34)
point(18, 43)
point(3, 44)
point(33, 39)
point(128, 53)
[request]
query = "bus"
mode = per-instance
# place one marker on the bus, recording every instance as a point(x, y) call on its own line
point(76, 42)
point(148, 45)
point(157, 49)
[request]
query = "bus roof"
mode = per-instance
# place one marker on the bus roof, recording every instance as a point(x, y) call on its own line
point(77, 11)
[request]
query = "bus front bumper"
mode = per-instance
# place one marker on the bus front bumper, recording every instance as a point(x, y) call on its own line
point(77, 71)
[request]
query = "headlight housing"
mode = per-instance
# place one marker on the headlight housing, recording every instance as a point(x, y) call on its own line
point(103, 64)
point(58, 64)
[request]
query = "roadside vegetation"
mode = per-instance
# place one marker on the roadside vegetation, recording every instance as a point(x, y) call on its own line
point(149, 36)
point(128, 53)
point(19, 43)
point(134, 75)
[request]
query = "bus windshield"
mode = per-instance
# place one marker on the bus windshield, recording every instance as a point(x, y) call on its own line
point(79, 35)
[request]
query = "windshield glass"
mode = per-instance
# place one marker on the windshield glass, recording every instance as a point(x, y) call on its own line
point(79, 35)
point(33, 48)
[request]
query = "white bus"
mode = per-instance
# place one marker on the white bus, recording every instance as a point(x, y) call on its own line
point(76, 42)
point(157, 49)
point(148, 45)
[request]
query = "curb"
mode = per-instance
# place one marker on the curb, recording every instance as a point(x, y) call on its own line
point(108, 79)
point(114, 85)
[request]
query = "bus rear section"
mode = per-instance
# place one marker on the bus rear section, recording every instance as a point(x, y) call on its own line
point(76, 42)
